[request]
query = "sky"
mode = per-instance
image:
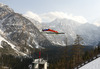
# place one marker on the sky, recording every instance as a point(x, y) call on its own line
point(85, 10)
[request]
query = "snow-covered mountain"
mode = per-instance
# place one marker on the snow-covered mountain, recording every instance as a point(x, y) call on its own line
point(19, 31)
point(97, 22)
point(89, 32)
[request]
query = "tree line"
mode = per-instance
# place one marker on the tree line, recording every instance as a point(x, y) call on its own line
point(58, 57)
point(77, 56)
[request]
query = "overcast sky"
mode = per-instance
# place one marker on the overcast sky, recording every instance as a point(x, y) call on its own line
point(88, 9)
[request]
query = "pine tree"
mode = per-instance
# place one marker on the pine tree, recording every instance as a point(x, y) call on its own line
point(77, 51)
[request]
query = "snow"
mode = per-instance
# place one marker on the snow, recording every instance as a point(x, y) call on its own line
point(1, 4)
point(95, 64)
point(2, 39)
point(12, 46)
point(1, 32)
point(30, 46)
point(1, 46)
point(36, 43)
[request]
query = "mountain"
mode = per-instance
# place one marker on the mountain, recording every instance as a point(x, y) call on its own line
point(89, 32)
point(19, 32)
point(97, 22)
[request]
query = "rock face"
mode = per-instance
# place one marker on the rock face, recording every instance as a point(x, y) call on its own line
point(19, 31)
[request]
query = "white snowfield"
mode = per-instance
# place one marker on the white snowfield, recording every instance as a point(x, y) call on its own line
point(95, 64)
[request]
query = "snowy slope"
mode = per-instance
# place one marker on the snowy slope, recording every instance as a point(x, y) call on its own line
point(95, 64)
point(2, 39)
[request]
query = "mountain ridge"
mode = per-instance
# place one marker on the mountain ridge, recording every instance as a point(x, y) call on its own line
point(20, 31)
point(89, 32)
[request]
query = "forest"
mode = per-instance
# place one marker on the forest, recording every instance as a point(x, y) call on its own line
point(58, 57)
